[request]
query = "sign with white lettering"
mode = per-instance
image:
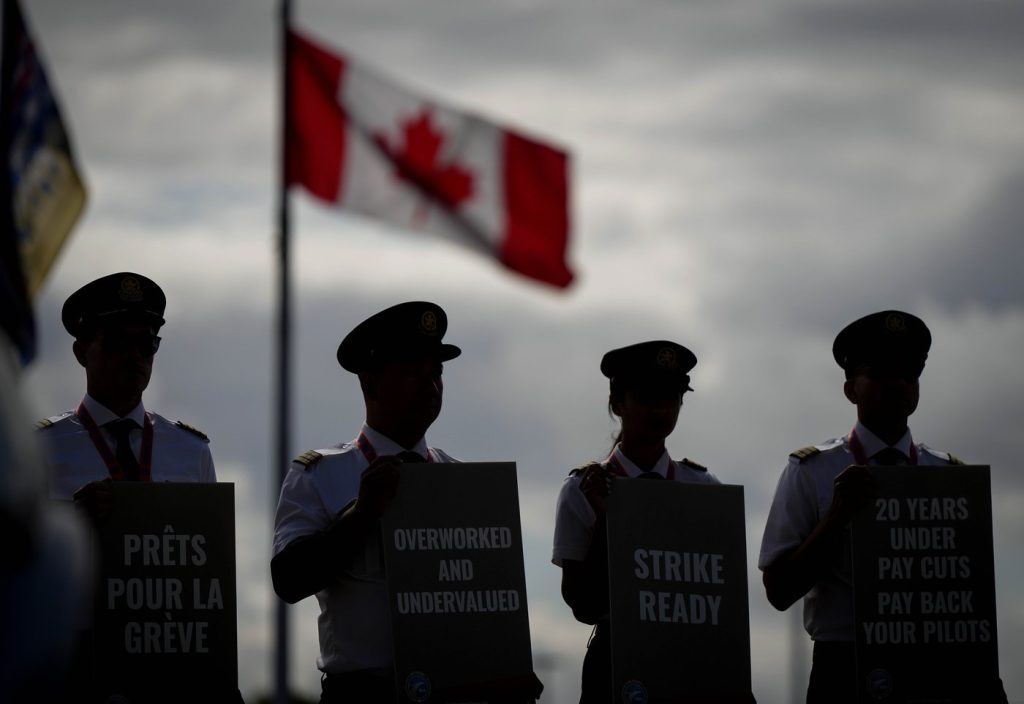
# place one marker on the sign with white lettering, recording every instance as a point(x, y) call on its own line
point(680, 626)
point(165, 609)
point(924, 587)
point(453, 555)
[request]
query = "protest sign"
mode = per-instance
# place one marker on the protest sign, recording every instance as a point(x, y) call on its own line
point(456, 584)
point(165, 609)
point(680, 625)
point(924, 594)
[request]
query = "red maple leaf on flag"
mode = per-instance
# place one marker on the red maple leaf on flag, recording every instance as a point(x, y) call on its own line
point(417, 162)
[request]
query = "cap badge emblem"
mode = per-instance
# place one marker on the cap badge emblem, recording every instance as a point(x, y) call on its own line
point(666, 358)
point(130, 290)
point(428, 323)
point(895, 323)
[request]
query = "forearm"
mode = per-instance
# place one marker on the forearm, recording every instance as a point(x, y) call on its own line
point(585, 583)
point(794, 574)
point(310, 563)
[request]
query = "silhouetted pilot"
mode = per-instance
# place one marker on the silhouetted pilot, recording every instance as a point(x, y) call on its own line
point(805, 551)
point(326, 539)
point(111, 436)
point(647, 384)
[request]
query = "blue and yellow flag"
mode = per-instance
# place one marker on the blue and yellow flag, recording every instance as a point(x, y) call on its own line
point(41, 193)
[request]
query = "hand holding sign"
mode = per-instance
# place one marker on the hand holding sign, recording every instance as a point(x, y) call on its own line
point(595, 485)
point(853, 488)
point(378, 486)
point(95, 499)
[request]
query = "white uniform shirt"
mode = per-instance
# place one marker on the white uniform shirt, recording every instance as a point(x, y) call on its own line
point(354, 621)
point(179, 454)
point(575, 518)
point(802, 498)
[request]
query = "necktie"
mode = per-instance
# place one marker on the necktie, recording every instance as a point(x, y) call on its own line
point(411, 457)
point(650, 475)
point(121, 430)
point(888, 457)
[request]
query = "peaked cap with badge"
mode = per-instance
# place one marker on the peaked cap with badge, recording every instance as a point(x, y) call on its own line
point(404, 331)
point(887, 339)
point(658, 361)
point(115, 295)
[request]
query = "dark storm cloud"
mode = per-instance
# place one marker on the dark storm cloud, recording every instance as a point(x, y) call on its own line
point(988, 27)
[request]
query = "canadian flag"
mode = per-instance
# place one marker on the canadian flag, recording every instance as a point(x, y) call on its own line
point(360, 142)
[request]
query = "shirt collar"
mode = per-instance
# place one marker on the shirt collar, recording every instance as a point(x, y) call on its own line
point(383, 445)
point(103, 415)
point(661, 466)
point(872, 444)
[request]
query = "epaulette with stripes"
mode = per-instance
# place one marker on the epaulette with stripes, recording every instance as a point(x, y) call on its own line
point(193, 430)
point(49, 422)
point(694, 465)
point(805, 453)
point(308, 459)
point(941, 454)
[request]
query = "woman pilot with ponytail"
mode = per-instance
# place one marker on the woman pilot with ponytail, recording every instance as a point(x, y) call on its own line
point(647, 384)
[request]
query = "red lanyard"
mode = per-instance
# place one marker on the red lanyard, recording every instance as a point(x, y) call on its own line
point(620, 471)
point(116, 473)
point(860, 457)
point(364, 446)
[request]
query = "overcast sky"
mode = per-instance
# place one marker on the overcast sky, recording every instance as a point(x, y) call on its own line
point(748, 177)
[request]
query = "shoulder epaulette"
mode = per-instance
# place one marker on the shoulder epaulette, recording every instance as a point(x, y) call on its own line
point(805, 453)
point(941, 454)
point(308, 459)
point(193, 430)
point(49, 422)
point(694, 465)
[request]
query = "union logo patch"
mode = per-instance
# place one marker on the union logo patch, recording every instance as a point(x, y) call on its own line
point(634, 692)
point(879, 684)
point(417, 687)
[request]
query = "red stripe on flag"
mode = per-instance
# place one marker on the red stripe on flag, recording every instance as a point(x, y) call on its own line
point(316, 134)
point(537, 209)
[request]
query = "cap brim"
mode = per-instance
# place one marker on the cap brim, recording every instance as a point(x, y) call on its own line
point(357, 363)
point(449, 352)
point(131, 313)
point(655, 380)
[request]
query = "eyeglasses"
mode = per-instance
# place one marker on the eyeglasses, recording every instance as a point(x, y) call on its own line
point(146, 344)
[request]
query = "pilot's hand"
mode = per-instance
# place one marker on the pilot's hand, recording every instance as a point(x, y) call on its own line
point(852, 489)
point(595, 483)
point(95, 500)
point(378, 486)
